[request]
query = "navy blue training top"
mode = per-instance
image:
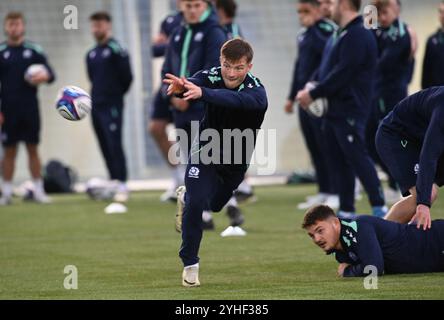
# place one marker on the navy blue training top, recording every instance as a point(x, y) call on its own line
point(347, 72)
point(311, 43)
point(109, 71)
point(240, 108)
point(193, 48)
point(420, 119)
point(167, 27)
point(389, 246)
point(14, 60)
point(433, 65)
point(395, 63)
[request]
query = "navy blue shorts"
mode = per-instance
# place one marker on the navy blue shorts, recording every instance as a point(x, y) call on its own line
point(401, 156)
point(22, 123)
point(161, 108)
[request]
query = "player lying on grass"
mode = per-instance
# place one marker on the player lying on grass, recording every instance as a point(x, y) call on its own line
point(388, 246)
point(234, 99)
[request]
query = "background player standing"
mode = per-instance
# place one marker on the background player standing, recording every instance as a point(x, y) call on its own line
point(110, 74)
point(346, 79)
point(226, 11)
point(433, 65)
point(161, 114)
point(19, 113)
point(396, 50)
point(311, 43)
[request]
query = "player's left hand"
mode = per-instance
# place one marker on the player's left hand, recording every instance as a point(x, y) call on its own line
point(422, 217)
point(304, 98)
point(2, 118)
point(39, 78)
point(341, 269)
point(176, 84)
point(193, 92)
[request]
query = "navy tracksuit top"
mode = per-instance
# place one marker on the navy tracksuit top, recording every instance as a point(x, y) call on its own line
point(347, 72)
point(240, 108)
point(420, 118)
point(109, 71)
point(167, 27)
point(311, 43)
point(13, 64)
point(193, 48)
point(395, 64)
point(433, 67)
point(390, 247)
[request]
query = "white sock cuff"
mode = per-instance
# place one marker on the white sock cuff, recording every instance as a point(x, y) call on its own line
point(245, 187)
point(192, 266)
point(7, 188)
point(206, 216)
point(232, 202)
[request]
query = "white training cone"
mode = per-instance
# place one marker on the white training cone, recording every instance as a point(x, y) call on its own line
point(233, 232)
point(115, 208)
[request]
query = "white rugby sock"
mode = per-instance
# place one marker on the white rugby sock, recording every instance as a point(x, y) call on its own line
point(192, 266)
point(7, 189)
point(232, 202)
point(245, 187)
point(207, 216)
point(178, 173)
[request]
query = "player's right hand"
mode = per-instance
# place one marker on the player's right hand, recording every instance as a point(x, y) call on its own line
point(341, 269)
point(39, 78)
point(161, 38)
point(2, 119)
point(289, 106)
point(422, 217)
point(304, 98)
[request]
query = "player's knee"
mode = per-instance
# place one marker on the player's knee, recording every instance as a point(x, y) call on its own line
point(10, 153)
point(194, 203)
point(32, 151)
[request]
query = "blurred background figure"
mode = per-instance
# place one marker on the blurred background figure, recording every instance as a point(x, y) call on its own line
point(346, 79)
point(161, 115)
point(110, 74)
point(23, 67)
point(226, 11)
point(395, 64)
point(311, 43)
point(433, 65)
point(171, 22)
point(326, 7)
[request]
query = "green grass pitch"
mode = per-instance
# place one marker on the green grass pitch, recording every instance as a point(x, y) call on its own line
point(135, 255)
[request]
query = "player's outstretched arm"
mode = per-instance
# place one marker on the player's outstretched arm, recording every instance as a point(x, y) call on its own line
point(431, 151)
point(249, 98)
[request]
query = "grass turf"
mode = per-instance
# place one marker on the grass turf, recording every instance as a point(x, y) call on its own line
point(134, 255)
